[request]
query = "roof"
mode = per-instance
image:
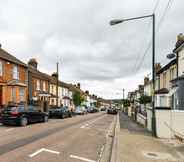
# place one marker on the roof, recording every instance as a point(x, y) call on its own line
point(167, 66)
point(63, 84)
point(74, 89)
point(162, 91)
point(38, 74)
point(8, 57)
point(179, 45)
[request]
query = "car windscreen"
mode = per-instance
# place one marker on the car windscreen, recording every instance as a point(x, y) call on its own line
point(13, 109)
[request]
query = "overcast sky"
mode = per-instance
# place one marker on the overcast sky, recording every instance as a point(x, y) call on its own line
point(102, 58)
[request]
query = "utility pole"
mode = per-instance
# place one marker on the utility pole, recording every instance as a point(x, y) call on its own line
point(153, 78)
point(57, 84)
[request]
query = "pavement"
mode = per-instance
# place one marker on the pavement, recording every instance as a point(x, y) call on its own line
point(136, 144)
point(77, 139)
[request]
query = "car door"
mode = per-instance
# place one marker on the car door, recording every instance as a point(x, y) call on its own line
point(33, 114)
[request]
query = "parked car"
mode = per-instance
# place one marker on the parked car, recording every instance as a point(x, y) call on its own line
point(60, 112)
point(112, 111)
point(80, 110)
point(91, 110)
point(103, 109)
point(20, 115)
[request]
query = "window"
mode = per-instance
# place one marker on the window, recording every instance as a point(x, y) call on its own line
point(44, 86)
point(172, 73)
point(1, 68)
point(13, 94)
point(164, 80)
point(21, 94)
point(37, 84)
point(15, 72)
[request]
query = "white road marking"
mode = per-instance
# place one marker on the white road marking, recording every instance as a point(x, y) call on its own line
point(10, 129)
point(90, 123)
point(84, 126)
point(81, 158)
point(41, 150)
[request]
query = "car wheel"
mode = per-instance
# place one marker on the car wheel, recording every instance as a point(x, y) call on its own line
point(23, 121)
point(45, 119)
point(62, 117)
point(69, 115)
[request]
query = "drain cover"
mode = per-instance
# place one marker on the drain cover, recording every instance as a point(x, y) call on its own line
point(152, 154)
point(158, 155)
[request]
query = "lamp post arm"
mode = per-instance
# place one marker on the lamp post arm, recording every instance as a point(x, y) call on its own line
point(134, 18)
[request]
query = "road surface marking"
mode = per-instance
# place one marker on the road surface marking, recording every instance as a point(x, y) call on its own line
point(41, 150)
point(10, 129)
point(84, 126)
point(90, 123)
point(81, 158)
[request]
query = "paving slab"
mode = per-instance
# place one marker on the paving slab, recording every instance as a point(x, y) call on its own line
point(137, 145)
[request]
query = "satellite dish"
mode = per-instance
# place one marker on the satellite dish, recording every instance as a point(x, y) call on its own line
point(171, 55)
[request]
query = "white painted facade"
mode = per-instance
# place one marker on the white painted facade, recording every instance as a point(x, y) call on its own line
point(169, 123)
point(148, 89)
point(181, 62)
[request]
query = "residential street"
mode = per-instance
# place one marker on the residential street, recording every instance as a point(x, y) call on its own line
point(68, 140)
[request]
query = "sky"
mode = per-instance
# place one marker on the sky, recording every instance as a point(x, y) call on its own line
point(76, 33)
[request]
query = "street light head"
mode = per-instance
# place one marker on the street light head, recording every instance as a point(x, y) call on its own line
point(171, 55)
point(116, 21)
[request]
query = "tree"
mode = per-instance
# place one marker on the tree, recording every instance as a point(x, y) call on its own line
point(77, 98)
point(145, 99)
point(125, 102)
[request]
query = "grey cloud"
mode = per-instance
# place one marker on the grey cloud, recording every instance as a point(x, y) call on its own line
point(78, 33)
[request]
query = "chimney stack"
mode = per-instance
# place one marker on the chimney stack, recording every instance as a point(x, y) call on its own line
point(78, 85)
point(54, 75)
point(33, 63)
point(180, 37)
point(157, 67)
point(180, 40)
point(146, 80)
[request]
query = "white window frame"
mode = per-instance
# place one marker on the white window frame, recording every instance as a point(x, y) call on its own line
point(15, 72)
point(37, 84)
point(22, 94)
point(44, 86)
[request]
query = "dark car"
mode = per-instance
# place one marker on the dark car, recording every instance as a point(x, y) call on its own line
point(92, 109)
point(60, 112)
point(103, 109)
point(20, 115)
point(112, 111)
point(81, 110)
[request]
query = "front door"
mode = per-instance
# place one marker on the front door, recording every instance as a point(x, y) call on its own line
point(1, 97)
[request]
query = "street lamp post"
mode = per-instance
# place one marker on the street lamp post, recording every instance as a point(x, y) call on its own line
point(57, 84)
point(118, 21)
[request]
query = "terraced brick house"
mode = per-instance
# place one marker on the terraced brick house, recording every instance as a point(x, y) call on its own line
point(13, 80)
point(38, 86)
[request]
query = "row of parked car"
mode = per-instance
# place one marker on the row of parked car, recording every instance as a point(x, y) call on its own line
point(21, 115)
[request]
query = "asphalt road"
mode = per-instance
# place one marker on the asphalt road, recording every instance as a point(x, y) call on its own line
point(81, 138)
